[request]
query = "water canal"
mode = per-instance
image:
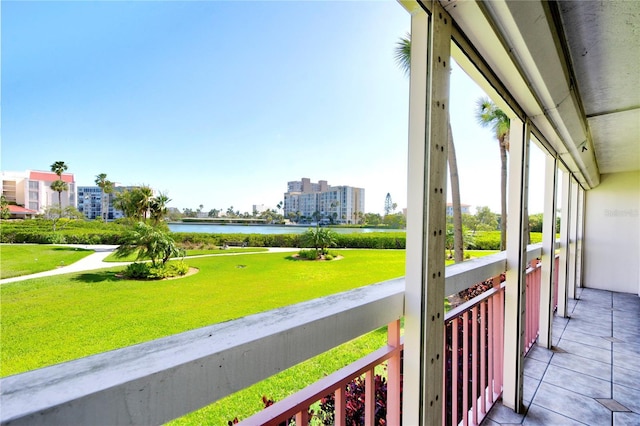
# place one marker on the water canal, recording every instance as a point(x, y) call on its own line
point(209, 228)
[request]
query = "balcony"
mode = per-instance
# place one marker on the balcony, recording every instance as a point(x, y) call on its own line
point(531, 58)
point(592, 371)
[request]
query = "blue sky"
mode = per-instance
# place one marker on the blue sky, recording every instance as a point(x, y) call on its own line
point(222, 103)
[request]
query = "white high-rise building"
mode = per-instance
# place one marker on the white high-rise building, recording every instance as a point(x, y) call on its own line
point(306, 201)
point(90, 202)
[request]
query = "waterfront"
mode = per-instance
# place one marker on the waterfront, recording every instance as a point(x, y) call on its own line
point(207, 228)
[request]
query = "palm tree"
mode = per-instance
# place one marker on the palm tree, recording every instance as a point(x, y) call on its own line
point(403, 58)
point(158, 207)
point(59, 167)
point(124, 201)
point(489, 115)
point(144, 194)
point(149, 242)
point(107, 188)
point(59, 186)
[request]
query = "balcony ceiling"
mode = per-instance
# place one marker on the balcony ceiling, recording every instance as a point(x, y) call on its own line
point(571, 67)
point(603, 38)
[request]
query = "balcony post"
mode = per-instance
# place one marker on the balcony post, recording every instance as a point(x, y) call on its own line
point(515, 291)
point(548, 251)
point(564, 245)
point(573, 233)
point(579, 237)
point(426, 226)
point(393, 375)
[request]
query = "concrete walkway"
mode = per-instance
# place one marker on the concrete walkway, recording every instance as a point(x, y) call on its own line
point(96, 261)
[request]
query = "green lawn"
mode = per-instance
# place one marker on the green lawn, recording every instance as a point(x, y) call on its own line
point(25, 259)
point(52, 320)
point(55, 319)
point(195, 252)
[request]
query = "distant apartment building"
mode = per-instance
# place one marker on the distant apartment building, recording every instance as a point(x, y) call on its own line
point(259, 208)
point(90, 202)
point(310, 201)
point(464, 208)
point(31, 189)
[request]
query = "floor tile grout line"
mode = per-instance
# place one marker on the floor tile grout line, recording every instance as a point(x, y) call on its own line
point(559, 414)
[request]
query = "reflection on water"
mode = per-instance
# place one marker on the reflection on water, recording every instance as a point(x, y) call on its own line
point(261, 229)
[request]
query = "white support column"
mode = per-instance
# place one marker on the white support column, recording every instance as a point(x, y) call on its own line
point(564, 245)
point(579, 237)
point(573, 232)
point(548, 251)
point(515, 292)
point(426, 227)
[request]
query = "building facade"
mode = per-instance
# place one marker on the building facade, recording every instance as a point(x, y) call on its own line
point(31, 189)
point(306, 201)
point(90, 202)
point(464, 209)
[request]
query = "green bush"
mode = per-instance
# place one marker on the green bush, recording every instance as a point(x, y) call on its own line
point(308, 254)
point(40, 231)
point(487, 240)
point(145, 271)
point(137, 271)
point(373, 240)
point(490, 240)
point(177, 268)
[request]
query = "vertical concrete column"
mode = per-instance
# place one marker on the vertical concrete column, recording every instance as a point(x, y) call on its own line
point(573, 233)
point(515, 291)
point(548, 250)
point(564, 244)
point(579, 236)
point(426, 227)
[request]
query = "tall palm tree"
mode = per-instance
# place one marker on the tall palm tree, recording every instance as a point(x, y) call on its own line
point(143, 200)
point(158, 207)
point(403, 58)
point(489, 115)
point(107, 188)
point(59, 167)
point(59, 186)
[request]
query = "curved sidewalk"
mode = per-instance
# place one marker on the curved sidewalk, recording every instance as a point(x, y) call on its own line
point(93, 261)
point(96, 261)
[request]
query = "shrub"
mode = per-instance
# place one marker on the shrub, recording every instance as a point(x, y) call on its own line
point(308, 254)
point(177, 268)
point(149, 242)
point(146, 271)
point(355, 405)
point(320, 238)
point(56, 238)
point(137, 271)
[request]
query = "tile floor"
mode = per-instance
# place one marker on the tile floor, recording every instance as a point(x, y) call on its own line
point(592, 374)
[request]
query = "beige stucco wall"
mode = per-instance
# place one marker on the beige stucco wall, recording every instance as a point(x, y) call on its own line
point(612, 234)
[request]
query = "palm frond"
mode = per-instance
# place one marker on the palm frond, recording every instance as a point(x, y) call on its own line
point(489, 115)
point(402, 53)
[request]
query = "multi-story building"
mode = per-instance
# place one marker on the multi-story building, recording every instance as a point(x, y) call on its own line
point(90, 202)
point(464, 208)
point(32, 189)
point(319, 201)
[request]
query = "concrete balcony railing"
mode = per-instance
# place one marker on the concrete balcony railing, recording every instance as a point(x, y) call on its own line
point(157, 381)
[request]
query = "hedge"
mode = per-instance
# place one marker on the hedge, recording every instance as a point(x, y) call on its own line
point(40, 231)
point(490, 240)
